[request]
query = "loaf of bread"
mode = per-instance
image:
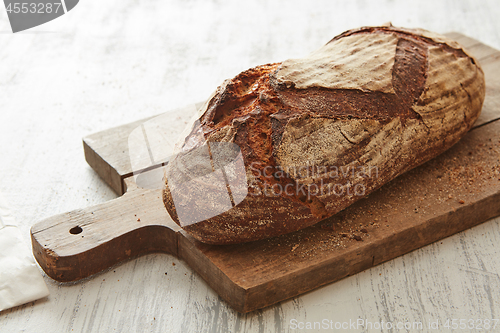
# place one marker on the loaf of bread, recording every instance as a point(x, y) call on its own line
point(282, 146)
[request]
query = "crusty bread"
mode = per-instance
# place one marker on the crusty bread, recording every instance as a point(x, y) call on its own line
point(318, 133)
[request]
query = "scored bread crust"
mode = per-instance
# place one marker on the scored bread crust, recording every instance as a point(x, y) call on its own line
point(377, 99)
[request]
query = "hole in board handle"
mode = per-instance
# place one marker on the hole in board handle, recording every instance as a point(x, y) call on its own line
point(75, 230)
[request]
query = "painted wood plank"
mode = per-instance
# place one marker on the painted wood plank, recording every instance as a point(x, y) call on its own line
point(111, 73)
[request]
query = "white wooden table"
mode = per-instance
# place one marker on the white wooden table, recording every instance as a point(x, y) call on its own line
point(106, 63)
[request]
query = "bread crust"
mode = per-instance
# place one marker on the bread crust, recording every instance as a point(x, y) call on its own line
point(317, 134)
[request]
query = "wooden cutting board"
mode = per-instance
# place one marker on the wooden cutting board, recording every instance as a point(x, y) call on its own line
point(453, 192)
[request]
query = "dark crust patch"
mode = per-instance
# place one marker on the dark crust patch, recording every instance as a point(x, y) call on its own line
point(409, 71)
point(343, 103)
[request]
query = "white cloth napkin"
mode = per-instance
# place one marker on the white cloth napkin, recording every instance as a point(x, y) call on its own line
point(20, 279)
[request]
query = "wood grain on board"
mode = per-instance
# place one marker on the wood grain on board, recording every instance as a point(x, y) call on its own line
point(453, 192)
point(107, 152)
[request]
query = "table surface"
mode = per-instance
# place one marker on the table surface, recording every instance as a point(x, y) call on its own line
point(107, 63)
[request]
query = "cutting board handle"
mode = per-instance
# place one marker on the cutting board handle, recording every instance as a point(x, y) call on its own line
point(77, 244)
